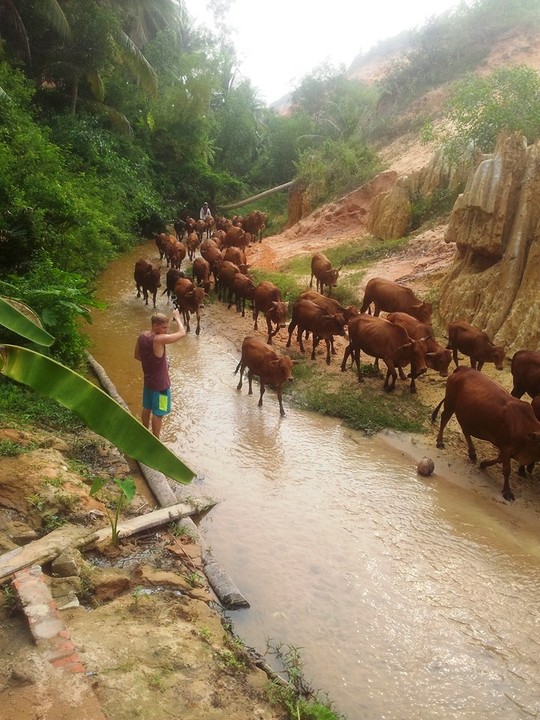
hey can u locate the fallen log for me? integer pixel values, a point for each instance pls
(45, 549)
(153, 519)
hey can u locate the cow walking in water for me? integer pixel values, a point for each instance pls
(485, 410)
(261, 360)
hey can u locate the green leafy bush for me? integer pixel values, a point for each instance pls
(60, 299)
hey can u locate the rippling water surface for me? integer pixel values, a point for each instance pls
(409, 598)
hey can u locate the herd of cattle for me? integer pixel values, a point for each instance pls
(404, 337)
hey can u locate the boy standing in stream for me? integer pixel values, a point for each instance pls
(150, 351)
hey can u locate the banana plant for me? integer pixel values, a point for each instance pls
(100, 413)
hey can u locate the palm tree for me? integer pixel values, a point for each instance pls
(13, 11)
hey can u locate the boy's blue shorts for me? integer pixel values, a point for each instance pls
(158, 401)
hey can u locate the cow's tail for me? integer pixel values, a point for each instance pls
(436, 411)
(238, 367)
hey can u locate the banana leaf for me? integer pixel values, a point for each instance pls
(22, 320)
(99, 411)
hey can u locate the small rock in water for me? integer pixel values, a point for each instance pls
(426, 466)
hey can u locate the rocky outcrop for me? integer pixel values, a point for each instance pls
(391, 212)
(494, 281)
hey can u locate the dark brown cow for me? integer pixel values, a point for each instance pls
(389, 296)
(262, 361)
(325, 274)
(147, 279)
(474, 343)
(526, 373)
(179, 228)
(306, 316)
(189, 299)
(380, 338)
(267, 299)
(201, 273)
(486, 411)
(241, 289)
(438, 358)
(173, 274)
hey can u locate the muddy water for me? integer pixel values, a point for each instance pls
(410, 598)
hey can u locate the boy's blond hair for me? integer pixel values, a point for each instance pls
(159, 319)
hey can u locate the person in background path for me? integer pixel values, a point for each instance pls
(205, 212)
(151, 352)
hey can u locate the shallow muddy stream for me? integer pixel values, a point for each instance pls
(408, 597)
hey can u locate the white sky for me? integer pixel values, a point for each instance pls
(280, 41)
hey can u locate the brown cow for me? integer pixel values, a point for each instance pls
(237, 256)
(526, 373)
(329, 305)
(176, 252)
(211, 251)
(235, 236)
(241, 289)
(380, 338)
(201, 273)
(438, 358)
(475, 343)
(254, 223)
(224, 279)
(306, 316)
(486, 411)
(389, 296)
(200, 229)
(267, 299)
(262, 361)
(192, 241)
(173, 274)
(325, 274)
(189, 299)
(147, 279)
(162, 243)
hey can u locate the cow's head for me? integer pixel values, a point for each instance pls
(417, 358)
(439, 360)
(422, 311)
(499, 353)
(278, 312)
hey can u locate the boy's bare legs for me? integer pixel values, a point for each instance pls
(157, 421)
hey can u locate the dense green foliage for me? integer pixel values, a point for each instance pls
(482, 106)
(60, 299)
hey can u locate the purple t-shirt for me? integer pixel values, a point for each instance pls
(155, 369)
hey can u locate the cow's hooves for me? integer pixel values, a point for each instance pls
(509, 495)
(440, 445)
(197, 332)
